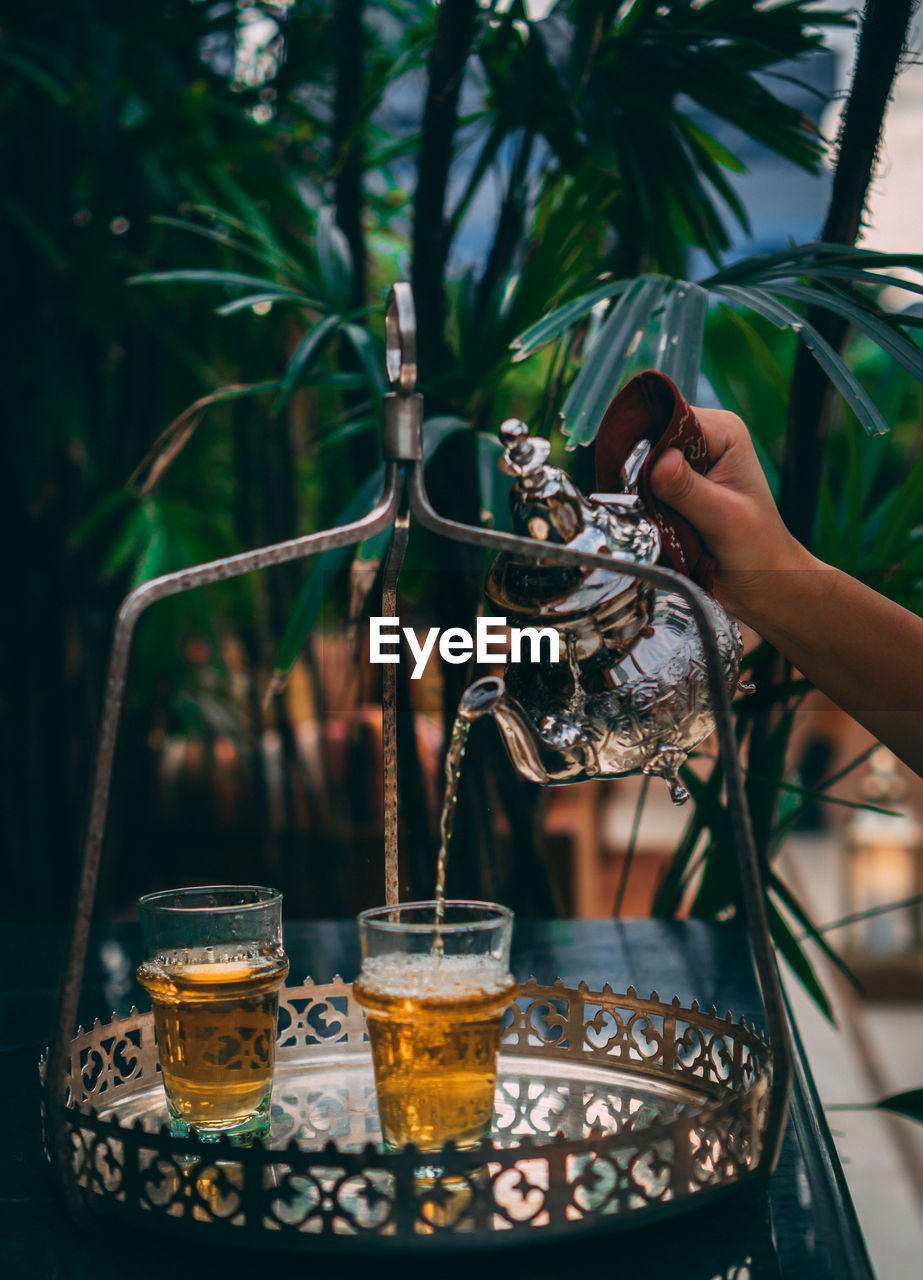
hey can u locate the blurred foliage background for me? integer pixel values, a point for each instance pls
(204, 206)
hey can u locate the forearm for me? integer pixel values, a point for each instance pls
(862, 650)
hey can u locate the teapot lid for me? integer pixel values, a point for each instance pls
(547, 506)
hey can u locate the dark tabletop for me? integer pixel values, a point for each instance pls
(804, 1228)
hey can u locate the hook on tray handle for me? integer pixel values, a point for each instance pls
(401, 339)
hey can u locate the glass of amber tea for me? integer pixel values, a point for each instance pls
(435, 993)
(214, 965)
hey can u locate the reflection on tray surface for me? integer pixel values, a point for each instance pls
(336, 1101)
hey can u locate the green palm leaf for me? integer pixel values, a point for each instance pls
(883, 332)
(907, 1103)
(218, 235)
(815, 257)
(369, 356)
(742, 359)
(858, 274)
(791, 949)
(492, 492)
(554, 324)
(787, 897)
(898, 515)
(603, 368)
(334, 259)
(682, 330)
(230, 280)
(56, 87)
(255, 299)
(785, 317)
(265, 247)
(305, 353)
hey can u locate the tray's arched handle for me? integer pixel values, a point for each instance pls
(401, 339)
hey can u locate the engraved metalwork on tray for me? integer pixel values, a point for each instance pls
(610, 1109)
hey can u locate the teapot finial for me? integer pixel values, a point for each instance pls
(515, 435)
(524, 456)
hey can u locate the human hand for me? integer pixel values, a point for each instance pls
(732, 508)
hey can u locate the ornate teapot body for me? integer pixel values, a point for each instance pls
(628, 693)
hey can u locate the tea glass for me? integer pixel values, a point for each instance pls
(213, 967)
(435, 993)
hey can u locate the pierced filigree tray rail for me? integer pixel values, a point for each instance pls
(610, 1110)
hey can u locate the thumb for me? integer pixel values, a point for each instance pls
(674, 482)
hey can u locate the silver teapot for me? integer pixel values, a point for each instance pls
(628, 693)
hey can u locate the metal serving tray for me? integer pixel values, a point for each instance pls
(610, 1110)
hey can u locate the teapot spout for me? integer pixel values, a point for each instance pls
(481, 698)
(534, 756)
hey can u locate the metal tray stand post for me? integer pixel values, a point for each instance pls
(611, 1109)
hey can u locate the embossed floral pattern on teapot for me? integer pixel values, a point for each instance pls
(629, 692)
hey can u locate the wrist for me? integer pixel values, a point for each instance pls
(768, 597)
